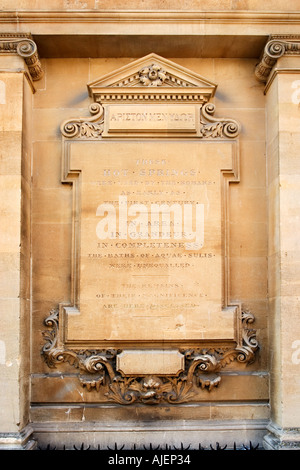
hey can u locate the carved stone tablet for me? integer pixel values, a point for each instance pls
(152, 118)
(150, 241)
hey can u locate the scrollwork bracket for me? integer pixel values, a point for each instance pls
(97, 369)
(85, 127)
(212, 127)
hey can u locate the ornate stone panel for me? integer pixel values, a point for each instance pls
(151, 168)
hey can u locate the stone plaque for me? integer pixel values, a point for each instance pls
(150, 313)
(150, 242)
(151, 118)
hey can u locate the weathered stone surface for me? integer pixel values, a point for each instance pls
(52, 259)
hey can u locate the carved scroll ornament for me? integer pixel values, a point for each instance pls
(92, 127)
(215, 127)
(275, 48)
(85, 127)
(26, 48)
(97, 369)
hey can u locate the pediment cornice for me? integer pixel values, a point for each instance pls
(152, 78)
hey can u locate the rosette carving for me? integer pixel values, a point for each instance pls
(213, 127)
(89, 128)
(97, 369)
(153, 75)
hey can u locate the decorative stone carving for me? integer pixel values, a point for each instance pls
(215, 127)
(275, 48)
(151, 79)
(93, 127)
(26, 48)
(97, 369)
(153, 75)
(85, 127)
(136, 99)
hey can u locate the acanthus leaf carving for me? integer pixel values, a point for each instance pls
(97, 369)
(92, 127)
(212, 127)
(84, 127)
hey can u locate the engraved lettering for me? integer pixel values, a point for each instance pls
(130, 118)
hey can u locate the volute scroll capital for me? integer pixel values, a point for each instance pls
(25, 47)
(276, 47)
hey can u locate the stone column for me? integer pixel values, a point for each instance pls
(16, 88)
(282, 76)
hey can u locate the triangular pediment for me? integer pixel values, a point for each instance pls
(151, 75)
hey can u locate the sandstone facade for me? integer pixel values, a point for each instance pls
(142, 337)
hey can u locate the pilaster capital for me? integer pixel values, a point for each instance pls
(25, 47)
(276, 47)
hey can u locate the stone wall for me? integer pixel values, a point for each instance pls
(222, 44)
